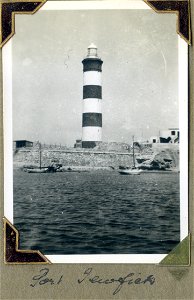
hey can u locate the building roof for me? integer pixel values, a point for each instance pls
(23, 141)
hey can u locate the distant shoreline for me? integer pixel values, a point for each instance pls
(69, 169)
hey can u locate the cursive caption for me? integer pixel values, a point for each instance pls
(89, 276)
(43, 278)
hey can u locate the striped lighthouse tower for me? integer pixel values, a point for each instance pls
(92, 99)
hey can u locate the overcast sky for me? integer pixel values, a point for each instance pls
(140, 76)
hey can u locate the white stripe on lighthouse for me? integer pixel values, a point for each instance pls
(92, 78)
(91, 133)
(92, 105)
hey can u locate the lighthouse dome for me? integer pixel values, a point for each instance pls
(92, 51)
(92, 45)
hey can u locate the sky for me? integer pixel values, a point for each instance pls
(139, 49)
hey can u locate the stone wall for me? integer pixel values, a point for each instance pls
(72, 158)
(95, 158)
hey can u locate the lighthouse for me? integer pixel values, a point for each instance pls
(92, 99)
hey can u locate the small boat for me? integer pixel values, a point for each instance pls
(133, 170)
(49, 169)
(37, 170)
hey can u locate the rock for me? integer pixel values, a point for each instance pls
(159, 161)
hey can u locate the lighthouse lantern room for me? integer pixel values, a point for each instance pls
(92, 99)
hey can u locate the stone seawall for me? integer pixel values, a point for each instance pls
(26, 157)
(153, 158)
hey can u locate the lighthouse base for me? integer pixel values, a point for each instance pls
(89, 144)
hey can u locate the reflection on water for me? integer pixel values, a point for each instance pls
(97, 212)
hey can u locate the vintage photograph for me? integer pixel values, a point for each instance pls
(96, 131)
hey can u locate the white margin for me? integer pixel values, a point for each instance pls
(7, 130)
(81, 5)
(107, 258)
(183, 125)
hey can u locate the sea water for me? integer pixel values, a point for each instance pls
(97, 212)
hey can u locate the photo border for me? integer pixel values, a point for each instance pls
(183, 113)
(171, 282)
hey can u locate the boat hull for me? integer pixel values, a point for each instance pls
(45, 170)
(130, 172)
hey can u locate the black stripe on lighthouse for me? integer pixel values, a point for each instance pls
(92, 91)
(92, 64)
(92, 119)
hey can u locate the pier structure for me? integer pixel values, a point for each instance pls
(92, 99)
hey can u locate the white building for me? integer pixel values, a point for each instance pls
(170, 136)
